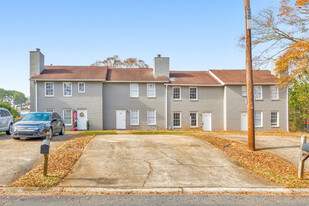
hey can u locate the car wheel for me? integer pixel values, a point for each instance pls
(62, 130)
(9, 132)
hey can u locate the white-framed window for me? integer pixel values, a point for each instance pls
(258, 119)
(81, 87)
(134, 90)
(67, 117)
(67, 89)
(193, 93)
(176, 119)
(151, 90)
(274, 119)
(151, 117)
(258, 92)
(274, 92)
(244, 91)
(134, 117)
(193, 119)
(49, 89)
(49, 110)
(176, 93)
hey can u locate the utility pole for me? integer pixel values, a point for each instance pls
(249, 78)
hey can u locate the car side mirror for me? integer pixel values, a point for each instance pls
(19, 119)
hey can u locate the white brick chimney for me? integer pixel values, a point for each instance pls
(161, 66)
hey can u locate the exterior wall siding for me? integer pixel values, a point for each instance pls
(117, 97)
(236, 104)
(91, 101)
(210, 100)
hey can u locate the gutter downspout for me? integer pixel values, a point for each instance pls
(166, 126)
(36, 96)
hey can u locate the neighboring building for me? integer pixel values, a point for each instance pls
(155, 98)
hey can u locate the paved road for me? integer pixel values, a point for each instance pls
(127, 200)
(146, 161)
(17, 157)
(286, 148)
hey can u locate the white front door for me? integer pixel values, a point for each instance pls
(81, 119)
(120, 119)
(244, 121)
(206, 119)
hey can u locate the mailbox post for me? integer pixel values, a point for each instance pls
(45, 152)
(304, 155)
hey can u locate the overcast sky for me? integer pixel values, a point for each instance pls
(195, 34)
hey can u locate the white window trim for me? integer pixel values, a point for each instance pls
(53, 89)
(49, 109)
(179, 120)
(196, 119)
(277, 93)
(261, 120)
(155, 117)
(278, 124)
(131, 85)
(243, 88)
(137, 117)
(71, 89)
(71, 117)
(261, 93)
(179, 93)
(154, 90)
(196, 94)
(84, 87)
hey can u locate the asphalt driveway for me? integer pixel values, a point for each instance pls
(17, 157)
(148, 161)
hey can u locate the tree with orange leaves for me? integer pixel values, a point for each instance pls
(280, 36)
(114, 62)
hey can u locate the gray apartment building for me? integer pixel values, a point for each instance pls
(158, 98)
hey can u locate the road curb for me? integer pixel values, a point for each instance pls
(90, 190)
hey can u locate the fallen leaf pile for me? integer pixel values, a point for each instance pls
(260, 163)
(60, 162)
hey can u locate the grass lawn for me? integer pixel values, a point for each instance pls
(60, 162)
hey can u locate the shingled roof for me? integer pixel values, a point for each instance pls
(134, 75)
(192, 77)
(239, 76)
(72, 73)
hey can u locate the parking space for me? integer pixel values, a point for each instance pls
(17, 157)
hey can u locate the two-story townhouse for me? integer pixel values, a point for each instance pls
(154, 98)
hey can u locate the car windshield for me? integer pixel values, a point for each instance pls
(37, 117)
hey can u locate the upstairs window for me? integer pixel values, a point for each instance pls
(244, 91)
(134, 117)
(81, 87)
(67, 89)
(134, 90)
(151, 90)
(193, 93)
(258, 92)
(49, 89)
(274, 93)
(151, 117)
(176, 93)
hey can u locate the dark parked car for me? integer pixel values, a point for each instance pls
(38, 125)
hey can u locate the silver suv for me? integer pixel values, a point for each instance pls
(6, 121)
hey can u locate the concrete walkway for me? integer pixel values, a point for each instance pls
(158, 161)
(286, 148)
